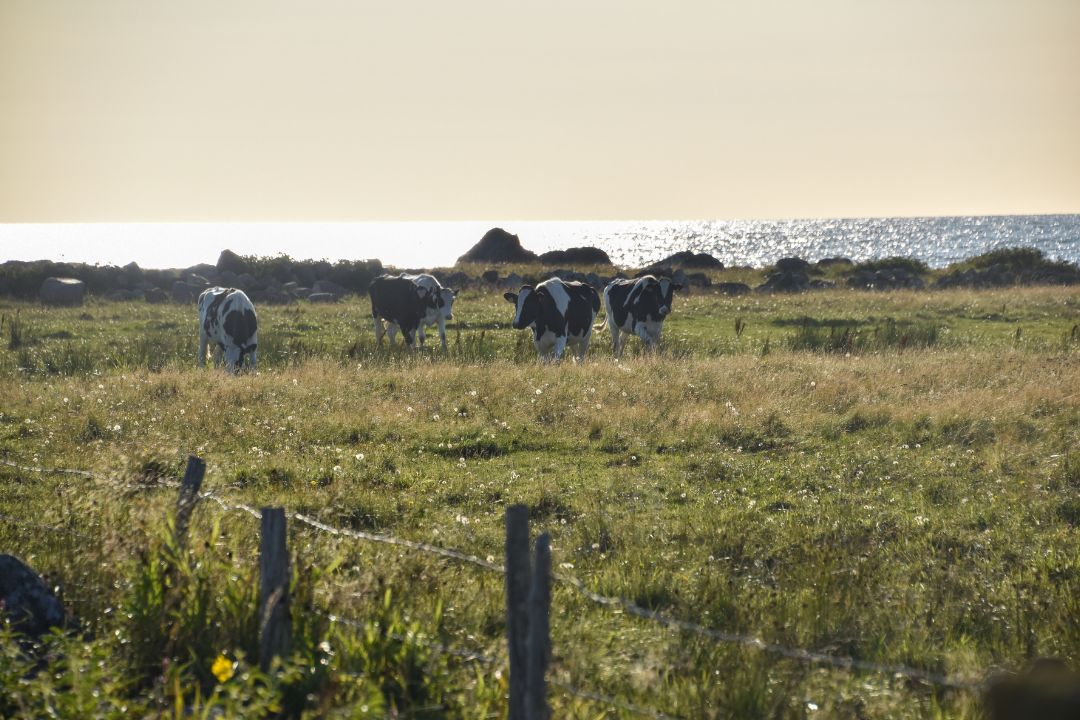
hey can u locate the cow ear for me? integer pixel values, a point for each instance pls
(510, 297)
(454, 292)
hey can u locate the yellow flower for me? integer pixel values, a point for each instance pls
(222, 668)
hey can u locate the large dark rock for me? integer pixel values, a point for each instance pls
(785, 281)
(228, 260)
(732, 288)
(792, 265)
(27, 602)
(329, 287)
(62, 291)
(684, 259)
(576, 256)
(498, 246)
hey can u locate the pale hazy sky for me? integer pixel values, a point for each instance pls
(266, 110)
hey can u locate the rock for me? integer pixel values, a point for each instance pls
(62, 291)
(322, 297)
(228, 260)
(183, 292)
(328, 287)
(732, 288)
(684, 259)
(792, 265)
(227, 278)
(576, 256)
(498, 246)
(456, 280)
(155, 295)
(27, 602)
(831, 261)
(698, 279)
(512, 281)
(788, 281)
(245, 282)
(490, 276)
(125, 295)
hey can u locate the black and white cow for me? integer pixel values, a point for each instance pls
(637, 307)
(558, 312)
(443, 310)
(404, 304)
(227, 319)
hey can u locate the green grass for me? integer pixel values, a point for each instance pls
(814, 481)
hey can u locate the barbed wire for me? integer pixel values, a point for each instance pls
(620, 604)
(47, 471)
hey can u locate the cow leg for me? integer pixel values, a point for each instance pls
(391, 333)
(202, 347)
(617, 341)
(254, 365)
(420, 334)
(442, 332)
(379, 330)
(560, 346)
(409, 336)
(219, 355)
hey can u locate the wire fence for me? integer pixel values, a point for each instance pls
(619, 605)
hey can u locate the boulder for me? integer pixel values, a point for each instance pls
(62, 291)
(155, 295)
(490, 276)
(227, 278)
(184, 292)
(228, 260)
(684, 259)
(732, 288)
(792, 265)
(322, 297)
(328, 287)
(512, 281)
(498, 246)
(576, 256)
(456, 280)
(26, 600)
(785, 281)
(245, 281)
(698, 279)
(832, 261)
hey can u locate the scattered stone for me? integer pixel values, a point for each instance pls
(328, 287)
(498, 246)
(732, 288)
(792, 265)
(322, 297)
(29, 605)
(576, 256)
(512, 281)
(833, 261)
(62, 291)
(490, 276)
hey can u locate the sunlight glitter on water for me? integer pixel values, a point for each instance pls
(936, 241)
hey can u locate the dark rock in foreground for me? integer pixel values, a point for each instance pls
(498, 246)
(26, 601)
(576, 256)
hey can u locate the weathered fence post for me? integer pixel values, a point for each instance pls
(189, 495)
(536, 707)
(275, 625)
(517, 597)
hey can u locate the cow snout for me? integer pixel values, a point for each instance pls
(664, 310)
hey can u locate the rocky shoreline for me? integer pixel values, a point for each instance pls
(499, 261)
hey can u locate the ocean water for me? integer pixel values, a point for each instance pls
(937, 241)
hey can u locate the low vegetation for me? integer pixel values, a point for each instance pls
(889, 477)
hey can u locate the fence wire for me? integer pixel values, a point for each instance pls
(614, 603)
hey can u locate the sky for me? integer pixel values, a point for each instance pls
(390, 110)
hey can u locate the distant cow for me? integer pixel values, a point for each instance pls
(227, 319)
(404, 304)
(637, 307)
(444, 306)
(558, 312)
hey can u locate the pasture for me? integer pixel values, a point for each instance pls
(889, 477)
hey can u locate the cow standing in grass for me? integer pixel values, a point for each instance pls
(404, 305)
(227, 319)
(438, 315)
(637, 307)
(558, 313)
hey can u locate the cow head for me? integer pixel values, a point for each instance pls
(658, 294)
(527, 306)
(445, 302)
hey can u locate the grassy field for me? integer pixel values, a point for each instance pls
(888, 477)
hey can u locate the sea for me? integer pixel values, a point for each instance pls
(937, 241)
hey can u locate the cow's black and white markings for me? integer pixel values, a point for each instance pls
(404, 304)
(441, 313)
(558, 313)
(638, 307)
(227, 319)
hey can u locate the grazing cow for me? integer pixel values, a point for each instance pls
(637, 307)
(558, 312)
(404, 304)
(227, 319)
(443, 310)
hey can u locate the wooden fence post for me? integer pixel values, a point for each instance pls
(275, 625)
(536, 706)
(517, 611)
(189, 495)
